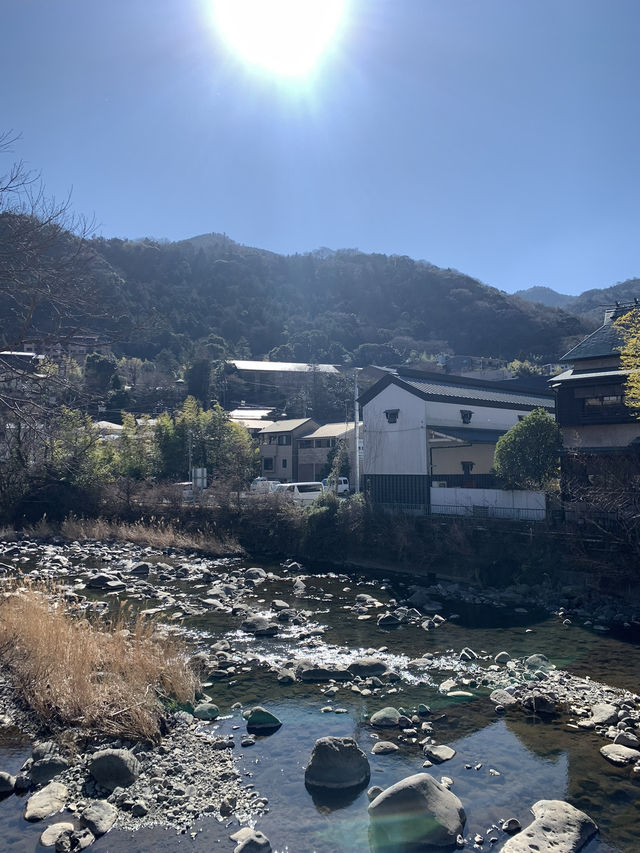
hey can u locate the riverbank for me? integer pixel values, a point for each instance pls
(270, 641)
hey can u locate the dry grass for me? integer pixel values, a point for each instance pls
(102, 678)
(157, 534)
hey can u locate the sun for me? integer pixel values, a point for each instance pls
(284, 37)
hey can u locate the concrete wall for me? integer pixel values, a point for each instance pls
(399, 448)
(492, 503)
(447, 460)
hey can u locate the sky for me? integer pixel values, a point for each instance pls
(496, 137)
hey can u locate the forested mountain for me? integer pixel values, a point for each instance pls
(325, 306)
(545, 296)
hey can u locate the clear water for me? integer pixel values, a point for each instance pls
(535, 759)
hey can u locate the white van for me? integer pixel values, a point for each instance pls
(330, 485)
(303, 494)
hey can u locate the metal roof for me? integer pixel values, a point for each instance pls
(332, 430)
(288, 425)
(252, 414)
(473, 436)
(457, 392)
(572, 375)
(252, 423)
(282, 366)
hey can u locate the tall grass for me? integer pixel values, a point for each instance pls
(108, 678)
(156, 532)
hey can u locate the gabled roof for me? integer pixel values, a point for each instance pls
(604, 342)
(288, 425)
(442, 389)
(332, 430)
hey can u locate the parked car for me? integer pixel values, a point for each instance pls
(303, 494)
(343, 485)
(262, 485)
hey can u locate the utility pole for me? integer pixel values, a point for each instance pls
(356, 428)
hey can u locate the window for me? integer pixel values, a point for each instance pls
(467, 468)
(306, 442)
(466, 415)
(284, 439)
(391, 415)
(284, 463)
(267, 464)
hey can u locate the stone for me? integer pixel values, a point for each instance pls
(539, 703)
(46, 802)
(511, 826)
(438, 754)
(259, 719)
(619, 755)
(99, 817)
(72, 842)
(47, 768)
(627, 739)
(502, 657)
(336, 763)
(114, 768)
(386, 718)
(51, 834)
(256, 842)
(537, 662)
(7, 783)
(324, 673)
(373, 792)
(416, 811)
(206, 711)
(603, 714)
(259, 626)
(388, 620)
(367, 667)
(558, 826)
(384, 747)
(504, 698)
(468, 654)
(141, 569)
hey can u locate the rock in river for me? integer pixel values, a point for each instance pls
(114, 768)
(415, 812)
(261, 720)
(206, 711)
(386, 718)
(336, 763)
(558, 826)
(99, 817)
(46, 802)
(619, 755)
(259, 626)
(367, 667)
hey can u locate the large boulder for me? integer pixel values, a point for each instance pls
(324, 673)
(386, 718)
(619, 755)
(53, 832)
(259, 626)
(206, 711)
(336, 763)
(261, 720)
(416, 812)
(114, 768)
(47, 768)
(558, 826)
(46, 802)
(99, 817)
(603, 714)
(367, 667)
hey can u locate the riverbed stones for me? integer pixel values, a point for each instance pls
(251, 841)
(51, 834)
(619, 755)
(503, 697)
(384, 747)
(502, 657)
(47, 768)
(259, 626)
(114, 768)
(539, 703)
(46, 802)
(99, 817)
(206, 711)
(324, 673)
(558, 826)
(438, 754)
(7, 783)
(261, 720)
(416, 812)
(386, 718)
(367, 667)
(603, 714)
(337, 763)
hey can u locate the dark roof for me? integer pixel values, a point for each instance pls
(605, 341)
(473, 436)
(467, 392)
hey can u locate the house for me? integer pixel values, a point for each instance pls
(422, 429)
(599, 432)
(272, 382)
(252, 419)
(279, 448)
(314, 449)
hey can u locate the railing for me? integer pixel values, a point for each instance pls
(477, 512)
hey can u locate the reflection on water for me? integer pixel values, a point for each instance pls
(501, 767)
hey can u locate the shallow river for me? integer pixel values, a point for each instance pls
(534, 759)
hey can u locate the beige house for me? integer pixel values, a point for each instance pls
(314, 449)
(279, 448)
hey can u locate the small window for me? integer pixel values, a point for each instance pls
(391, 415)
(466, 415)
(267, 464)
(284, 463)
(306, 442)
(284, 439)
(467, 468)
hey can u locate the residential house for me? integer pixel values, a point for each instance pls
(600, 435)
(314, 449)
(423, 429)
(272, 382)
(252, 419)
(279, 448)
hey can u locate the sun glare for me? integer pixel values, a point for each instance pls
(285, 37)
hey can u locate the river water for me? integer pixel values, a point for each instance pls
(503, 764)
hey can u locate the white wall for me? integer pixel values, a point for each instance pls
(496, 503)
(399, 448)
(483, 417)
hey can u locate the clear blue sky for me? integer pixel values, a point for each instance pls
(499, 137)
